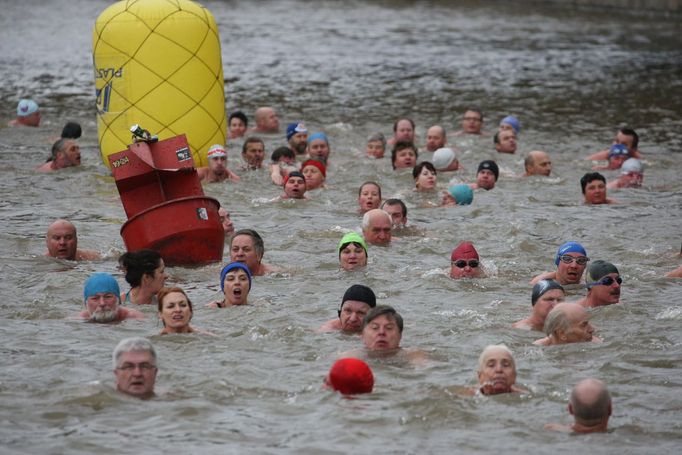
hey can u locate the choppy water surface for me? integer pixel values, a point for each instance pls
(351, 68)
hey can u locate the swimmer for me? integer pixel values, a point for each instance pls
(294, 186)
(62, 243)
(618, 153)
(357, 301)
(464, 262)
(135, 368)
(376, 146)
(397, 210)
(403, 131)
(350, 377)
(282, 161)
(590, 405)
(376, 227)
(225, 220)
(145, 272)
(472, 123)
(318, 148)
(28, 114)
(237, 123)
(603, 285)
(297, 137)
(435, 138)
(567, 323)
(247, 247)
(102, 301)
(352, 251)
(496, 372)
(626, 136)
(235, 282)
(537, 163)
(486, 176)
(315, 173)
(457, 195)
(631, 175)
(71, 130)
(425, 176)
(217, 170)
(545, 295)
(445, 160)
(505, 141)
(266, 121)
(253, 152)
(593, 185)
(510, 123)
(571, 260)
(404, 155)
(382, 331)
(175, 311)
(65, 153)
(369, 196)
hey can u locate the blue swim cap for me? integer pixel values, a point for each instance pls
(569, 247)
(231, 266)
(293, 128)
(513, 121)
(314, 136)
(100, 282)
(26, 108)
(462, 193)
(618, 150)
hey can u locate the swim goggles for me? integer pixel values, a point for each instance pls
(580, 260)
(473, 263)
(608, 281)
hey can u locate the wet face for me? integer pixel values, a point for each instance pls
(351, 315)
(595, 192)
(318, 148)
(352, 256)
(243, 250)
(465, 268)
(580, 330)
(426, 180)
(485, 179)
(268, 119)
(237, 128)
(616, 161)
(381, 334)
(379, 230)
(571, 272)
(295, 187)
(225, 220)
(69, 155)
(175, 311)
(62, 241)
(542, 165)
(507, 141)
(299, 142)
(254, 154)
(375, 149)
(396, 212)
(136, 374)
(633, 179)
(404, 131)
(498, 373)
(218, 165)
(547, 302)
(472, 122)
(313, 177)
(102, 307)
(606, 294)
(236, 287)
(405, 158)
(158, 280)
(369, 197)
(435, 138)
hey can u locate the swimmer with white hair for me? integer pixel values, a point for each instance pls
(496, 372)
(567, 323)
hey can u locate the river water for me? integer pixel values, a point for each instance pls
(350, 69)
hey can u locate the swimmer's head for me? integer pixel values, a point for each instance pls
(443, 157)
(541, 287)
(293, 128)
(216, 151)
(352, 237)
(599, 269)
(100, 283)
(360, 293)
(234, 266)
(618, 150)
(464, 250)
(569, 247)
(491, 166)
(632, 165)
(462, 193)
(26, 108)
(513, 122)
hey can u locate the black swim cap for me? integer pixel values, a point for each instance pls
(543, 286)
(72, 130)
(491, 166)
(360, 293)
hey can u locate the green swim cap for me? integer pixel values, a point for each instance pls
(352, 237)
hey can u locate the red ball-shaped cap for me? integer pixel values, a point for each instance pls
(351, 376)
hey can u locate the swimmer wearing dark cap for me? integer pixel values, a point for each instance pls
(545, 295)
(355, 304)
(603, 283)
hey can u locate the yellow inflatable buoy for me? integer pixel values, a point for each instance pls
(158, 64)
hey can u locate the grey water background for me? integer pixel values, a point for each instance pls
(350, 69)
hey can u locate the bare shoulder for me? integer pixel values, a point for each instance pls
(88, 255)
(329, 326)
(543, 276)
(129, 313)
(558, 427)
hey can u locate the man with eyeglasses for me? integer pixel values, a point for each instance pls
(571, 260)
(135, 367)
(464, 262)
(472, 123)
(603, 285)
(102, 298)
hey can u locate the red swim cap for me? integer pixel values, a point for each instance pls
(464, 250)
(351, 376)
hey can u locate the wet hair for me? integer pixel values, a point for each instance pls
(135, 344)
(590, 413)
(139, 263)
(72, 130)
(490, 347)
(395, 202)
(557, 319)
(381, 310)
(58, 147)
(395, 125)
(496, 138)
(258, 244)
(420, 167)
(167, 290)
(251, 140)
(529, 161)
(369, 182)
(402, 145)
(282, 152)
(589, 177)
(631, 132)
(240, 115)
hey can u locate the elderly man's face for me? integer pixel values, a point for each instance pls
(351, 315)
(498, 373)
(379, 230)
(254, 154)
(580, 329)
(62, 241)
(136, 374)
(382, 334)
(102, 307)
(542, 164)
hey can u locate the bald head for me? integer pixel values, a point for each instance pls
(61, 239)
(568, 323)
(590, 403)
(538, 163)
(266, 120)
(435, 138)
